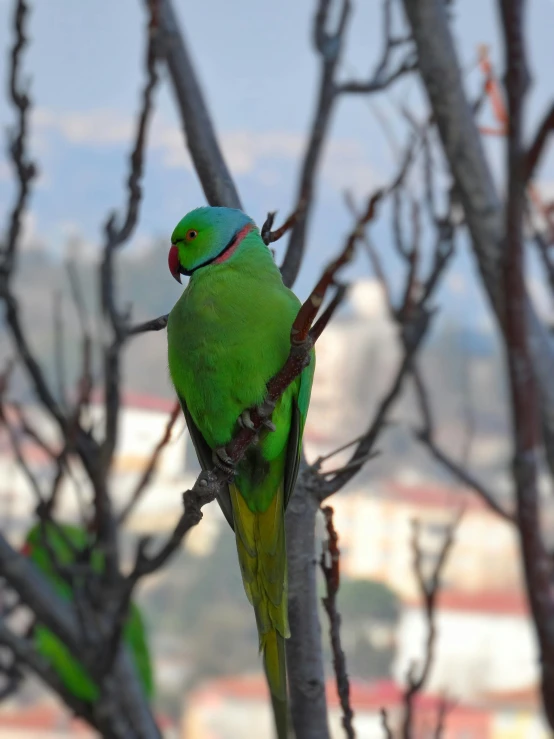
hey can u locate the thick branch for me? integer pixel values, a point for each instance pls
(206, 155)
(536, 149)
(24, 652)
(305, 670)
(58, 616)
(524, 397)
(441, 76)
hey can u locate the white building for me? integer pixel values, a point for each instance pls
(374, 524)
(355, 357)
(142, 424)
(485, 644)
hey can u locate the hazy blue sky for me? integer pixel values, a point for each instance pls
(259, 72)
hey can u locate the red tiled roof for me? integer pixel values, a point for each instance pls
(513, 699)
(502, 602)
(140, 401)
(365, 696)
(48, 716)
(41, 717)
(434, 496)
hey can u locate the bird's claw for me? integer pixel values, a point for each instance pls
(222, 460)
(245, 421)
(268, 423)
(266, 408)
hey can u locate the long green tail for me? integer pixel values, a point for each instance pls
(276, 672)
(262, 556)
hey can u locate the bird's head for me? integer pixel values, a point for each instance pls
(206, 236)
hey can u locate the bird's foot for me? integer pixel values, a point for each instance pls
(265, 409)
(245, 420)
(222, 460)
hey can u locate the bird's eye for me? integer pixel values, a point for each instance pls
(192, 234)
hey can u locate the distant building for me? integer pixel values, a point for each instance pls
(48, 719)
(375, 528)
(485, 644)
(226, 708)
(142, 424)
(516, 714)
(355, 355)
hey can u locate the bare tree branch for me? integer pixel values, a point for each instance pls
(524, 396)
(539, 143)
(59, 345)
(26, 654)
(459, 471)
(305, 668)
(429, 588)
(24, 166)
(440, 73)
(269, 236)
(330, 566)
(206, 155)
(133, 716)
(329, 45)
(155, 324)
(151, 466)
(385, 724)
(116, 236)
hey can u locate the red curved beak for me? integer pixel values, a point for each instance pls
(173, 262)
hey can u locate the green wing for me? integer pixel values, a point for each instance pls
(135, 638)
(66, 543)
(204, 454)
(299, 413)
(72, 674)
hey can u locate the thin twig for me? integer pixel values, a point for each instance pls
(429, 588)
(328, 45)
(460, 471)
(59, 346)
(154, 324)
(385, 724)
(24, 166)
(116, 236)
(152, 464)
(269, 236)
(330, 566)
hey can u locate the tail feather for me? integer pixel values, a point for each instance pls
(260, 538)
(276, 673)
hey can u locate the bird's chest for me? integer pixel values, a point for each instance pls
(220, 358)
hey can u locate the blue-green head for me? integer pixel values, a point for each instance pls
(206, 236)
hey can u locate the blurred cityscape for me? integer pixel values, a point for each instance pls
(209, 683)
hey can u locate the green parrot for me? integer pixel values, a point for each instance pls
(228, 334)
(65, 542)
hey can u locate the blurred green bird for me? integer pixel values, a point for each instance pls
(65, 542)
